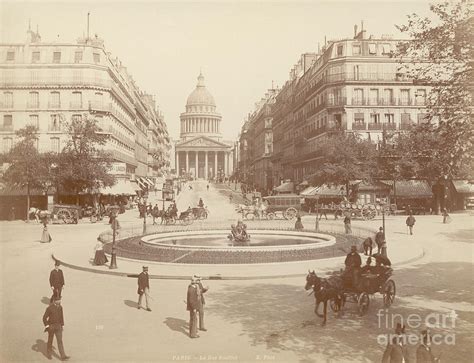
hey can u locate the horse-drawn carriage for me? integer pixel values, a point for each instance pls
(200, 212)
(337, 291)
(66, 213)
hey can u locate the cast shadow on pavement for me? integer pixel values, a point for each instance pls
(178, 325)
(130, 303)
(46, 300)
(42, 347)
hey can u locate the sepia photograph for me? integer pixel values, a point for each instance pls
(239, 181)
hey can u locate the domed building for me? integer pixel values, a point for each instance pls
(200, 151)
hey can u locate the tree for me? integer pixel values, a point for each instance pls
(344, 157)
(83, 165)
(27, 168)
(439, 54)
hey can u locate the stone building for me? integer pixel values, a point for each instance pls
(201, 152)
(46, 84)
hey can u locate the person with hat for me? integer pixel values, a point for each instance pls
(424, 353)
(53, 320)
(143, 288)
(203, 290)
(410, 222)
(379, 239)
(56, 281)
(193, 305)
(396, 351)
(353, 263)
(347, 224)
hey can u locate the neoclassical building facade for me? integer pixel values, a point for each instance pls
(200, 151)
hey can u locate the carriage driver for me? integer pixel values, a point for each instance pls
(353, 263)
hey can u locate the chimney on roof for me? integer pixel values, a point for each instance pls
(355, 30)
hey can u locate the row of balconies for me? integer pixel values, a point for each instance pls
(387, 102)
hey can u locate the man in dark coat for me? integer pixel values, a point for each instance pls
(193, 305)
(347, 224)
(379, 239)
(367, 244)
(203, 290)
(143, 288)
(410, 222)
(424, 353)
(353, 263)
(53, 320)
(56, 281)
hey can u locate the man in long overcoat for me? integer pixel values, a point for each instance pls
(203, 290)
(143, 288)
(53, 320)
(193, 305)
(56, 281)
(379, 239)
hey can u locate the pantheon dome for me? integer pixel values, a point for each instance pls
(200, 151)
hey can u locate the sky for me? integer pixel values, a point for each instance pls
(242, 47)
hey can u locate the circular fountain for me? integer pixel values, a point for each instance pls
(213, 247)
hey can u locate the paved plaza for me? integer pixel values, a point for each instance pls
(248, 319)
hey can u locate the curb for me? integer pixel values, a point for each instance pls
(216, 277)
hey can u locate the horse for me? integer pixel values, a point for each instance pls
(324, 292)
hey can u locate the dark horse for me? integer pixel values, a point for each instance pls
(324, 292)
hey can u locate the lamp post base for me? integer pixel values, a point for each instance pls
(113, 261)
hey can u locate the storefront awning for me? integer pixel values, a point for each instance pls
(326, 191)
(309, 191)
(411, 189)
(463, 186)
(121, 187)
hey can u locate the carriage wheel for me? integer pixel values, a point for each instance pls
(186, 220)
(63, 215)
(290, 213)
(250, 216)
(363, 303)
(171, 220)
(271, 215)
(389, 293)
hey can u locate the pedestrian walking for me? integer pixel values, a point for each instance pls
(396, 351)
(143, 288)
(424, 353)
(45, 236)
(368, 244)
(446, 217)
(298, 224)
(53, 320)
(99, 255)
(56, 281)
(207, 187)
(203, 290)
(379, 239)
(347, 224)
(410, 222)
(193, 305)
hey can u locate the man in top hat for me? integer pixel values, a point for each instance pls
(353, 263)
(424, 353)
(143, 288)
(202, 290)
(56, 281)
(396, 351)
(193, 305)
(53, 320)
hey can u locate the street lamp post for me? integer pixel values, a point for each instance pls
(317, 216)
(113, 261)
(144, 216)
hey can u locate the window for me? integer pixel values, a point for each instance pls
(420, 96)
(34, 120)
(356, 73)
(388, 96)
(7, 120)
(76, 100)
(56, 57)
(340, 49)
(33, 102)
(55, 144)
(359, 118)
(389, 118)
(76, 117)
(375, 118)
(422, 118)
(358, 96)
(10, 56)
(55, 124)
(55, 100)
(7, 144)
(7, 99)
(372, 48)
(405, 118)
(356, 50)
(386, 48)
(96, 57)
(77, 57)
(35, 57)
(405, 97)
(374, 96)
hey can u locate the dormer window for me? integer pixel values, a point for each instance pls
(372, 48)
(340, 49)
(11, 56)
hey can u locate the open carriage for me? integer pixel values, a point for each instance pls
(378, 280)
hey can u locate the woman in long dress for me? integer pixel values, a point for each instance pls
(46, 237)
(100, 258)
